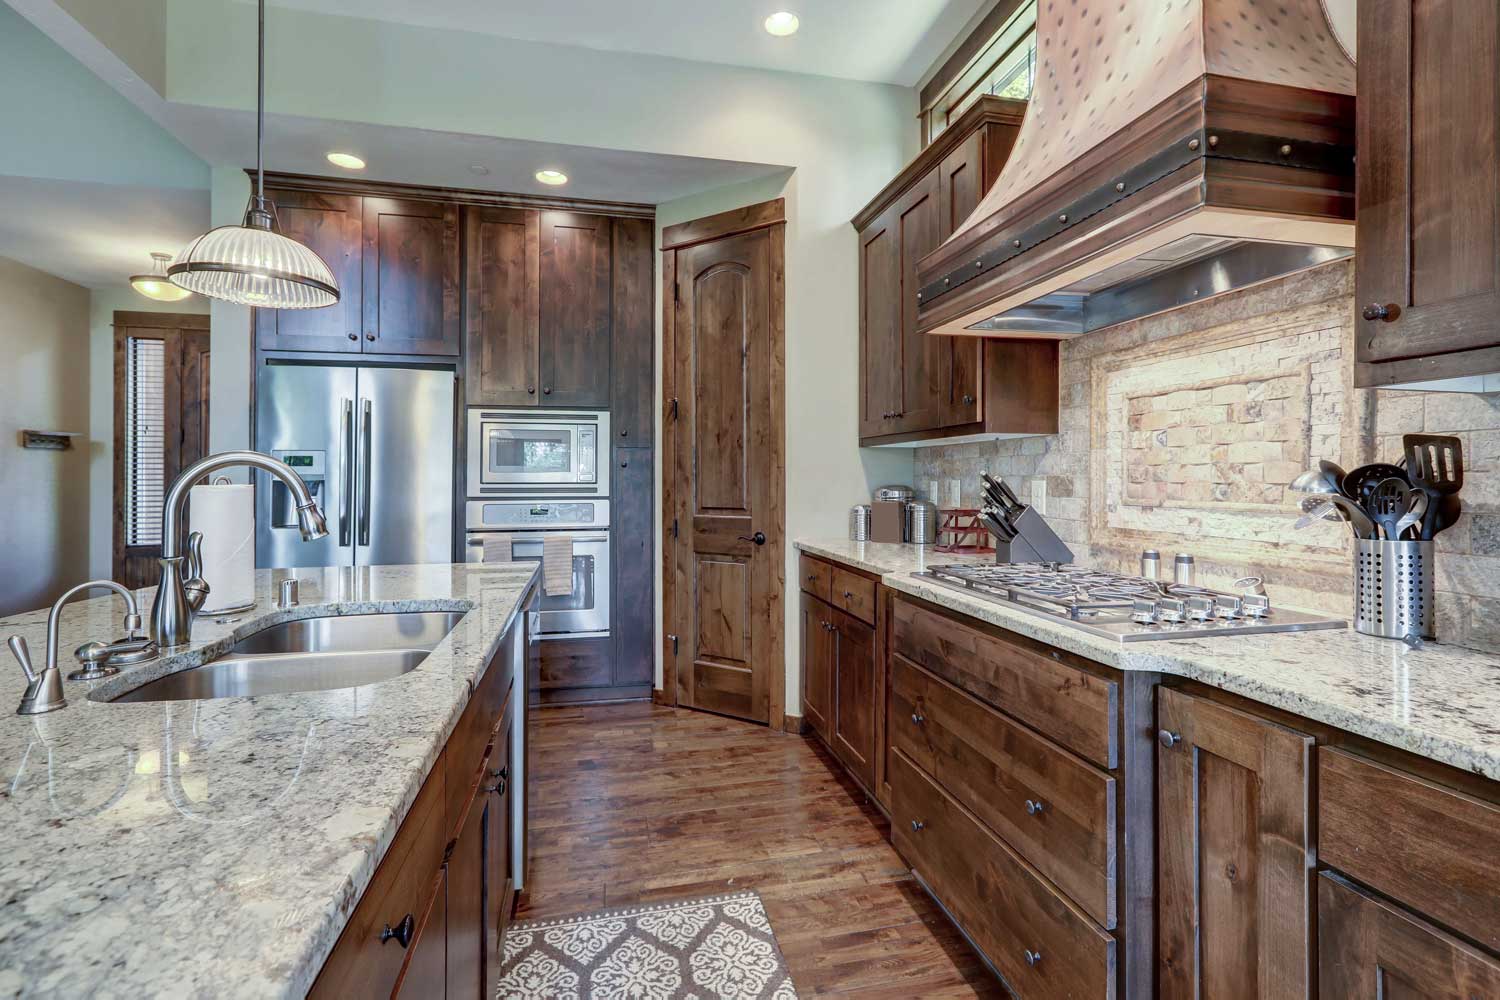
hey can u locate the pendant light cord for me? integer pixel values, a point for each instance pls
(260, 105)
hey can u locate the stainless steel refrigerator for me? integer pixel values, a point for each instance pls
(375, 446)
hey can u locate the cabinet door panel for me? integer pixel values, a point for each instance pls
(817, 656)
(575, 309)
(329, 225)
(632, 333)
(466, 905)
(501, 262)
(633, 622)
(879, 325)
(424, 976)
(854, 695)
(1427, 178)
(926, 362)
(1234, 853)
(499, 885)
(411, 262)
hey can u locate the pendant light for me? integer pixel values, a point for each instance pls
(252, 264)
(156, 285)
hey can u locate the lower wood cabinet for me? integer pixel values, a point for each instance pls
(839, 674)
(817, 663)
(424, 975)
(1234, 853)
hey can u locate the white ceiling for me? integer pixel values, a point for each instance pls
(95, 235)
(889, 41)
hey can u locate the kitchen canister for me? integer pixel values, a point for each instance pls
(921, 522)
(225, 513)
(1393, 588)
(859, 522)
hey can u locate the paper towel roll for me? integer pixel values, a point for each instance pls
(226, 516)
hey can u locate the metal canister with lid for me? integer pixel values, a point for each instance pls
(921, 522)
(859, 522)
(894, 492)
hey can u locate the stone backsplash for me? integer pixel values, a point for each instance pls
(1180, 432)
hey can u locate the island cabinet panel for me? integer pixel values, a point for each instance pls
(817, 663)
(1038, 940)
(1234, 853)
(501, 305)
(425, 974)
(1052, 691)
(467, 939)
(1435, 849)
(330, 225)
(1054, 808)
(1427, 275)
(575, 309)
(500, 890)
(411, 276)
(1370, 949)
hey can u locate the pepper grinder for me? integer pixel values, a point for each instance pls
(1183, 570)
(1151, 564)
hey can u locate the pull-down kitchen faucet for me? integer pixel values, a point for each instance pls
(181, 594)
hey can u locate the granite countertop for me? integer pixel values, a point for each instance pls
(216, 848)
(1439, 701)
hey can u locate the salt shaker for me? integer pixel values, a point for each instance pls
(1151, 564)
(1183, 570)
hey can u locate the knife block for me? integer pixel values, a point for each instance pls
(1035, 541)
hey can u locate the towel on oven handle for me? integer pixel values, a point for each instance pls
(497, 548)
(557, 565)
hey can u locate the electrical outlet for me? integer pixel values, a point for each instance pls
(1039, 496)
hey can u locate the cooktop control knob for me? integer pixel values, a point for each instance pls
(1171, 611)
(1257, 606)
(1143, 611)
(1200, 609)
(1229, 608)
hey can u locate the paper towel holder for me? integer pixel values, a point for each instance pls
(218, 613)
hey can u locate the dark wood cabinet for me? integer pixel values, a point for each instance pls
(918, 387)
(1427, 275)
(499, 884)
(501, 303)
(467, 885)
(853, 700)
(424, 975)
(331, 225)
(1369, 948)
(632, 333)
(575, 309)
(411, 267)
(817, 663)
(633, 562)
(1234, 853)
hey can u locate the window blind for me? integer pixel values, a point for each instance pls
(145, 451)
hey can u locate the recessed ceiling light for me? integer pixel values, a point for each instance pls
(552, 177)
(478, 169)
(346, 160)
(782, 23)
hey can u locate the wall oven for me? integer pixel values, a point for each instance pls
(537, 453)
(516, 529)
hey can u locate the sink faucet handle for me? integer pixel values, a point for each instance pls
(192, 567)
(23, 656)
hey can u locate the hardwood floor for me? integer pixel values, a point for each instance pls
(638, 803)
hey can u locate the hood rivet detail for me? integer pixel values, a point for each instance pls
(979, 263)
(1286, 150)
(1193, 144)
(1063, 217)
(1016, 244)
(1213, 141)
(1119, 185)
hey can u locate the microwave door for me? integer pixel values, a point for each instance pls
(304, 417)
(532, 454)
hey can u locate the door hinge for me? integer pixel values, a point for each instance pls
(674, 643)
(676, 293)
(674, 527)
(674, 407)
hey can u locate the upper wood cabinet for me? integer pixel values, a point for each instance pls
(330, 225)
(633, 332)
(1427, 274)
(501, 262)
(411, 276)
(1234, 853)
(917, 387)
(575, 309)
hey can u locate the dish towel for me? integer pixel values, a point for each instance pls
(557, 565)
(497, 549)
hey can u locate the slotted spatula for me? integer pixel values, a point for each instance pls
(1435, 465)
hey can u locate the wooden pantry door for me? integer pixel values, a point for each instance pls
(724, 460)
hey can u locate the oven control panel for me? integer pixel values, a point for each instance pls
(537, 515)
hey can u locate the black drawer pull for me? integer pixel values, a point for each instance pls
(1034, 807)
(917, 826)
(501, 777)
(918, 718)
(1032, 957)
(402, 932)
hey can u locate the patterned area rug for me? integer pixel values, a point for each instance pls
(720, 948)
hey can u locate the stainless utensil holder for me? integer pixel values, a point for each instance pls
(1393, 589)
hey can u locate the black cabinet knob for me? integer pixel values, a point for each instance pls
(624, 463)
(625, 433)
(918, 718)
(531, 390)
(1032, 957)
(353, 335)
(1376, 310)
(402, 932)
(370, 337)
(968, 400)
(546, 390)
(501, 776)
(917, 826)
(1034, 807)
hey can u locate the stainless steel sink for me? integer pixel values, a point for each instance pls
(314, 654)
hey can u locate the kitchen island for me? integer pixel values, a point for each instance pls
(219, 847)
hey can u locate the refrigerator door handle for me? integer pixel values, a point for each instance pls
(364, 462)
(346, 470)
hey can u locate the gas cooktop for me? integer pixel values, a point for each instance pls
(1127, 608)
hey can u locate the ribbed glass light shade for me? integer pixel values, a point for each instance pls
(251, 266)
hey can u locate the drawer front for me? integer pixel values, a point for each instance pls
(1073, 706)
(1057, 811)
(854, 594)
(1042, 944)
(816, 576)
(1432, 848)
(1368, 947)
(361, 964)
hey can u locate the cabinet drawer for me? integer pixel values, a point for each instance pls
(1068, 703)
(1432, 848)
(817, 577)
(1042, 943)
(855, 594)
(1056, 810)
(1368, 947)
(361, 964)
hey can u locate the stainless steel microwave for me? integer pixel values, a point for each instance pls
(537, 453)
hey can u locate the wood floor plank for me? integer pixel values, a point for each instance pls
(638, 803)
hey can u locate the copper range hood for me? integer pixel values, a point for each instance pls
(1172, 150)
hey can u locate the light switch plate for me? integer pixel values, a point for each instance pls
(1039, 496)
(955, 493)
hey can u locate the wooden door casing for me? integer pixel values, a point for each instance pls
(1235, 853)
(502, 303)
(726, 474)
(575, 309)
(185, 385)
(331, 225)
(411, 276)
(1428, 184)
